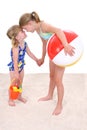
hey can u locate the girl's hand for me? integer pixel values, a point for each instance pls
(40, 62)
(16, 82)
(68, 49)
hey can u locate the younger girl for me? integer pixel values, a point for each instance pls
(18, 50)
(31, 22)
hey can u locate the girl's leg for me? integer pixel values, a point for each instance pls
(11, 101)
(51, 84)
(21, 75)
(59, 71)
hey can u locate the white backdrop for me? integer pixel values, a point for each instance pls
(66, 14)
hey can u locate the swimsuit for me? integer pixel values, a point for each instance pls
(21, 62)
(45, 36)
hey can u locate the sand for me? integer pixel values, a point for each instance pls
(36, 115)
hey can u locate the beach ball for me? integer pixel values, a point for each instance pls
(56, 53)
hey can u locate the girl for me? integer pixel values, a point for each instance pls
(16, 66)
(31, 22)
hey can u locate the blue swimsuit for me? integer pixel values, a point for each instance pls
(21, 62)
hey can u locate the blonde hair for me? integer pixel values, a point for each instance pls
(12, 33)
(25, 18)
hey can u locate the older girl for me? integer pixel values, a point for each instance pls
(31, 22)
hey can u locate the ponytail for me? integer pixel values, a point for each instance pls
(27, 17)
(35, 17)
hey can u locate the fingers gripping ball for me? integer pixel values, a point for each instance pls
(56, 53)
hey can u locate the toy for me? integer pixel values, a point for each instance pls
(56, 53)
(15, 89)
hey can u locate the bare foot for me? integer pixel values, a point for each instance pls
(22, 99)
(57, 110)
(46, 98)
(11, 103)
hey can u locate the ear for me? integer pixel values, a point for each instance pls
(16, 37)
(31, 22)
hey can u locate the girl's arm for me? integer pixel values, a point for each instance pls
(41, 61)
(31, 54)
(49, 28)
(15, 60)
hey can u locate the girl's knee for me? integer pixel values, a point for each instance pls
(52, 76)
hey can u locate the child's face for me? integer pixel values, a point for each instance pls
(30, 27)
(21, 36)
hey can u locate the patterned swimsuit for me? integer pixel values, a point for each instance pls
(21, 62)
